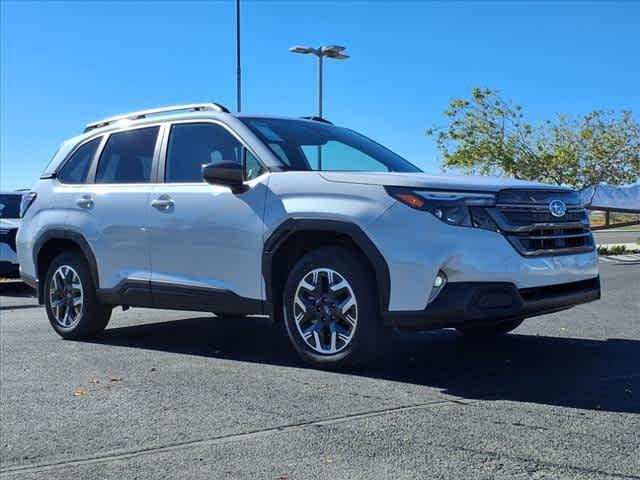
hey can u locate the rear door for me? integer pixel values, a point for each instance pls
(206, 241)
(111, 211)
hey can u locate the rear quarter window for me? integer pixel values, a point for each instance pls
(75, 170)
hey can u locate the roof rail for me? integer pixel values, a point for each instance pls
(194, 107)
(317, 119)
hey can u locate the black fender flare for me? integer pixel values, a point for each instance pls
(75, 237)
(353, 231)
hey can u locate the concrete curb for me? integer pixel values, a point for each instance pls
(626, 259)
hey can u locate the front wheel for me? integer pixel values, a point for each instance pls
(70, 298)
(488, 331)
(331, 309)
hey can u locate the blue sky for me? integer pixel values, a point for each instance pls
(65, 64)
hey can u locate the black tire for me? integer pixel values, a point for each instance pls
(93, 316)
(368, 337)
(489, 331)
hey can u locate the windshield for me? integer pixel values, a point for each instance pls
(311, 145)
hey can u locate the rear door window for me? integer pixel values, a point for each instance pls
(76, 168)
(128, 156)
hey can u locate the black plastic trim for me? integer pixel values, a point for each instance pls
(143, 293)
(8, 236)
(294, 225)
(75, 237)
(8, 269)
(135, 293)
(492, 302)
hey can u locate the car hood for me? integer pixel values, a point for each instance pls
(439, 182)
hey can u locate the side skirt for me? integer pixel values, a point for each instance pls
(142, 293)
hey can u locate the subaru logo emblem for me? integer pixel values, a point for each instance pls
(557, 208)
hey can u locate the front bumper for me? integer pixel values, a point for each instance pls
(464, 303)
(416, 246)
(8, 259)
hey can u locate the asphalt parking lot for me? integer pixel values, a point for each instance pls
(165, 394)
(616, 236)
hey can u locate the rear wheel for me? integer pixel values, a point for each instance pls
(70, 298)
(488, 331)
(331, 310)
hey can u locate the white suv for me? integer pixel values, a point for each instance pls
(192, 207)
(9, 224)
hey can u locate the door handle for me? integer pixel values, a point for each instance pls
(163, 203)
(85, 201)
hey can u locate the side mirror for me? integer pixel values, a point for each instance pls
(226, 173)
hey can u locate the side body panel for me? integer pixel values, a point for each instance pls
(211, 238)
(115, 226)
(48, 212)
(307, 195)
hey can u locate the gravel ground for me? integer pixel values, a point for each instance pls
(165, 394)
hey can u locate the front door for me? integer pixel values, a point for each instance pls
(206, 241)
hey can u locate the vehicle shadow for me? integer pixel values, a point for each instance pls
(14, 289)
(569, 372)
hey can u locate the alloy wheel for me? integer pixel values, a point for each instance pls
(325, 311)
(66, 296)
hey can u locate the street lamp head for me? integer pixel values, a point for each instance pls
(332, 49)
(329, 51)
(337, 56)
(303, 50)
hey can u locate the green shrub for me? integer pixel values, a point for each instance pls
(615, 250)
(618, 249)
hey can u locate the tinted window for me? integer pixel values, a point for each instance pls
(252, 168)
(192, 145)
(77, 167)
(307, 145)
(127, 157)
(10, 205)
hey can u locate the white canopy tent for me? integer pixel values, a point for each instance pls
(606, 197)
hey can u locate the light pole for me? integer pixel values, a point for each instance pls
(238, 77)
(331, 51)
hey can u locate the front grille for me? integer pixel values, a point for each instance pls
(526, 216)
(526, 221)
(8, 236)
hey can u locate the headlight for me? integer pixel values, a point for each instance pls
(463, 209)
(26, 201)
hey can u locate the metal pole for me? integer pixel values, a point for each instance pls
(238, 82)
(320, 84)
(320, 103)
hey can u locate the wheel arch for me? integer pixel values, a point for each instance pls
(297, 236)
(50, 244)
